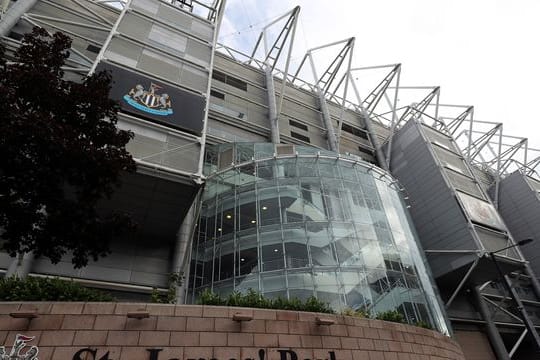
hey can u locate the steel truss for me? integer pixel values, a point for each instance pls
(484, 149)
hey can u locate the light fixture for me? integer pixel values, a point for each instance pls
(253, 221)
(242, 259)
(276, 250)
(264, 208)
(30, 314)
(219, 229)
(324, 321)
(139, 314)
(228, 216)
(242, 317)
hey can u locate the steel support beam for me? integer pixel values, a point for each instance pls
(517, 301)
(495, 339)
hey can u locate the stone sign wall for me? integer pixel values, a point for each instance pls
(121, 331)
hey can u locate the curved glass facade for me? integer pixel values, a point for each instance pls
(295, 221)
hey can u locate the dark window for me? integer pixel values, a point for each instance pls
(299, 136)
(15, 35)
(217, 94)
(230, 80)
(365, 151)
(93, 48)
(218, 75)
(237, 83)
(355, 131)
(298, 125)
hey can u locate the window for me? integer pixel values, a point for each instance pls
(299, 136)
(229, 80)
(217, 94)
(93, 48)
(218, 75)
(298, 125)
(355, 131)
(365, 151)
(15, 35)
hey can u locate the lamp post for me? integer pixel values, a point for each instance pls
(508, 285)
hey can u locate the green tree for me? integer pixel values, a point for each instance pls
(60, 153)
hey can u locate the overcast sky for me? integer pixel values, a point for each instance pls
(483, 52)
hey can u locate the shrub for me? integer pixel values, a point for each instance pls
(47, 289)
(423, 324)
(391, 315)
(207, 297)
(360, 313)
(169, 297)
(256, 300)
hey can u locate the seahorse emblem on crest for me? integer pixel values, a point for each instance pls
(18, 345)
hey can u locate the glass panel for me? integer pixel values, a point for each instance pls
(273, 282)
(226, 269)
(247, 258)
(296, 253)
(247, 212)
(356, 289)
(302, 280)
(244, 283)
(272, 251)
(326, 284)
(322, 251)
(347, 245)
(269, 208)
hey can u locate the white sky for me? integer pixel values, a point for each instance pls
(481, 52)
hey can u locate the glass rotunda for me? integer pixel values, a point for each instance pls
(295, 221)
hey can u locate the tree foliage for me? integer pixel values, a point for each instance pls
(60, 153)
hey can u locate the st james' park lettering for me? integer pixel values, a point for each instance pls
(153, 354)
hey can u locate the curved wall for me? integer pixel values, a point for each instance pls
(295, 221)
(94, 331)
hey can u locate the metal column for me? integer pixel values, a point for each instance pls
(494, 337)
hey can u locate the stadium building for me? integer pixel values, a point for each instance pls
(297, 181)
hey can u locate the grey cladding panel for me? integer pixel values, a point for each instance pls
(519, 206)
(233, 133)
(464, 183)
(248, 73)
(440, 222)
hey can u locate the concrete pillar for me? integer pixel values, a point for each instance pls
(327, 119)
(182, 251)
(381, 159)
(21, 265)
(272, 107)
(14, 13)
